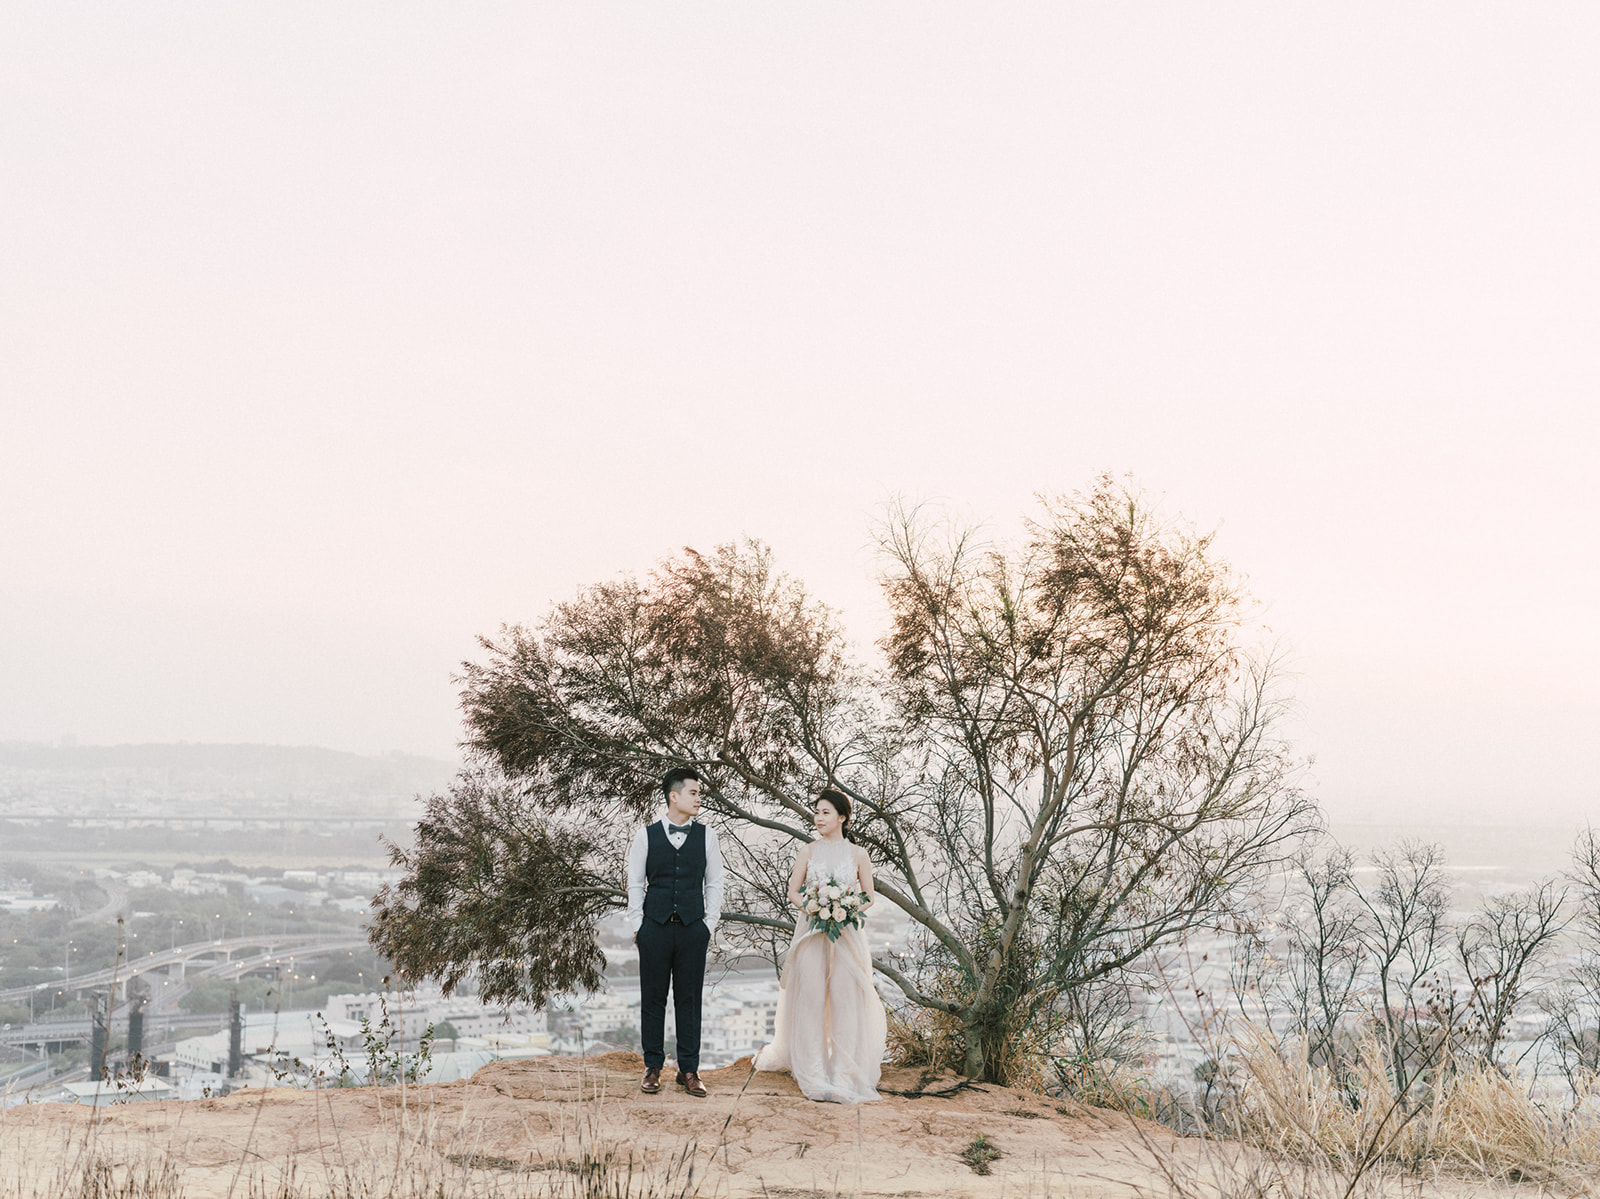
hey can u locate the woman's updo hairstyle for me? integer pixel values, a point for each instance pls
(841, 805)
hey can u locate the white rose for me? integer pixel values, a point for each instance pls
(812, 906)
(831, 892)
(838, 913)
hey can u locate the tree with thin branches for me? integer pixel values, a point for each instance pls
(1066, 756)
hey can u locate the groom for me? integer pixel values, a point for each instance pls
(674, 902)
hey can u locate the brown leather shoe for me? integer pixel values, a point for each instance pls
(652, 1081)
(691, 1083)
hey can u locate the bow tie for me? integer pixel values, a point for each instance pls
(679, 828)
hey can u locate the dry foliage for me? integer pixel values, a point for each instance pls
(1474, 1120)
(936, 1042)
(925, 1040)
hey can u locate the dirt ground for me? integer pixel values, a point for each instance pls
(581, 1126)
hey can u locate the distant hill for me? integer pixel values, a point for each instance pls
(183, 774)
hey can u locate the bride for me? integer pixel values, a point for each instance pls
(830, 1027)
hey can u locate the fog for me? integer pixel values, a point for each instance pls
(334, 337)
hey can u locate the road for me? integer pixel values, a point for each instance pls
(107, 913)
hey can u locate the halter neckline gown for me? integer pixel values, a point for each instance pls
(830, 1028)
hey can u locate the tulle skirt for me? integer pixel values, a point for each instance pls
(830, 1028)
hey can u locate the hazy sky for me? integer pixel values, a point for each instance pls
(333, 335)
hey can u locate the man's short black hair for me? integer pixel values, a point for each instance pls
(677, 778)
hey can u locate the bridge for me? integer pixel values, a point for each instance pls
(185, 964)
(43, 1034)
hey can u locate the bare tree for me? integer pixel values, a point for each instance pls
(1573, 1005)
(1389, 955)
(1320, 979)
(1501, 948)
(1405, 935)
(1066, 758)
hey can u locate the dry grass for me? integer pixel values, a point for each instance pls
(1230, 1170)
(924, 1039)
(1296, 1135)
(1109, 1084)
(1476, 1122)
(936, 1042)
(413, 1156)
(612, 1175)
(96, 1176)
(1486, 1122)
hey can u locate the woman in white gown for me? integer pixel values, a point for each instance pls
(830, 1028)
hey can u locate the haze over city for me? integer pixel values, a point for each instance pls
(337, 336)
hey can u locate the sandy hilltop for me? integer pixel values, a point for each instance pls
(558, 1126)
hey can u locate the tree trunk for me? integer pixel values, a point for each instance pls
(986, 1031)
(973, 1066)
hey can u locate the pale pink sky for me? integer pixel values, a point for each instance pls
(331, 335)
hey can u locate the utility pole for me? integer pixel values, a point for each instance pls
(97, 1038)
(138, 997)
(235, 1033)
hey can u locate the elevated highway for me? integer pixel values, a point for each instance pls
(232, 958)
(159, 1030)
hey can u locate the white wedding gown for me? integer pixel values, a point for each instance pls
(830, 1028)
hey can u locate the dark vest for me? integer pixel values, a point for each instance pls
(675, 878)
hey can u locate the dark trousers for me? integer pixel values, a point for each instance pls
(671, 954)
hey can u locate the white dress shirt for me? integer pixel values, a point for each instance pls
(639, 852)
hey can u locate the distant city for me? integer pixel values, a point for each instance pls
(257, 972)
(185, 920)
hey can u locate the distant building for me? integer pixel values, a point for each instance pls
(414, 1011)
(366, 880)
(104, 1094)
(274, 895)
(16, 903)
(739, 1019)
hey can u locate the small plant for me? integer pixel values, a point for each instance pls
(979, 1154)
(290, 1070)
(130, 1081)
(1101, 1083)
(385, 1066)
(336, 1052)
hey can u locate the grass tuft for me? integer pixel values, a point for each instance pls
(980, 1154)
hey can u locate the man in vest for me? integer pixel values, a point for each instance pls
(674, 902)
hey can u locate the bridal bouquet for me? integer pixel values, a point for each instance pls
(833, 906)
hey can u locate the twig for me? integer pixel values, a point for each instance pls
(722, 1137)
(966, 1084)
